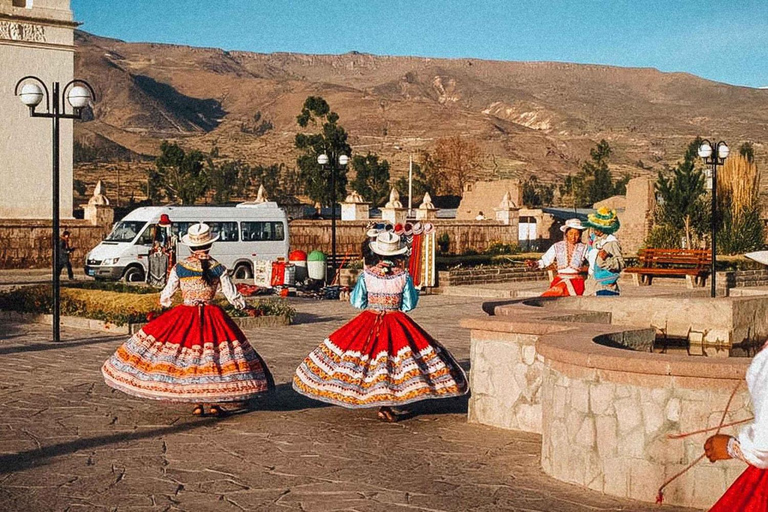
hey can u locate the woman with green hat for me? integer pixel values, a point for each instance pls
(604, 256)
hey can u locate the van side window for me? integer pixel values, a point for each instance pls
(180, 229)
(227, 231)
(262, 231)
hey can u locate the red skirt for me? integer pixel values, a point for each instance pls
(379, 359)
(749, 493)
(565, 287)
(189, 354)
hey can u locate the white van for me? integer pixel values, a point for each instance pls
(247, 232)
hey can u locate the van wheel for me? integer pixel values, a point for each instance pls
(243, 271)
(134, 275)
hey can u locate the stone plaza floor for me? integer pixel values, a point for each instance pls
(69, 442)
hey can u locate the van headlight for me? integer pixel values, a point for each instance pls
(111, 261)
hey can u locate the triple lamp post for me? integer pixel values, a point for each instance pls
(713, 156)
(342, 160)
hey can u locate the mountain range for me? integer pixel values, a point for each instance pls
(527, 117)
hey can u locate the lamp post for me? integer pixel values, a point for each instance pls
(713, 156)
(79, 94)
(324, 160)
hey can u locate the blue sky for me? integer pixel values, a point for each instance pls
(724, 40)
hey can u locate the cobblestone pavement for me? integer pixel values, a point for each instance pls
(68, 442)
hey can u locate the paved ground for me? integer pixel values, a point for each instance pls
(68, 442)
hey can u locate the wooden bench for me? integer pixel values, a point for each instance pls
(693, 264)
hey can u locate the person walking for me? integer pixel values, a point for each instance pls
(381, 358)
(194, 352)
(65, 249)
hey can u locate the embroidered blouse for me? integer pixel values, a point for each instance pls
(559, 253)
(384, 291)
(752, 445)
(187, 275)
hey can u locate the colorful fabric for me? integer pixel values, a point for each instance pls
(604, 272)
(379, 359)
(558, 253)
(749, 493)
(415, 260)
(187, 276)
(565, 286)
(605, 220)
(384, 288)
(189, 354)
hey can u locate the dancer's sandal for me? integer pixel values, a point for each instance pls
(218, 411)
(198, 410)
(386, 415)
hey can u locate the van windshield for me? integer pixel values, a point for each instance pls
(125, 231)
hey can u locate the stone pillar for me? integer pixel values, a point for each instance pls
(393, 211)
(355, 208)
(427, 210)
(98, 211)
(507, 212)
(637, 219)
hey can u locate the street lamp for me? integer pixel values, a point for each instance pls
(31, 91)
(323, 160)
(713, 157)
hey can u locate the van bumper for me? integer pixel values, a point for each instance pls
(99, 272)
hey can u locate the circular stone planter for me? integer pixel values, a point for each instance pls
(605, 411)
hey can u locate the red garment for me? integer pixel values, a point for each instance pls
(414, 262)
(559, 287)
(189, 354)
(379, 359)
(749, 493)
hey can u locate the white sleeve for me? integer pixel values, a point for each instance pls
(230, 292)
(548, 257)
(753, 439)
(170, 288)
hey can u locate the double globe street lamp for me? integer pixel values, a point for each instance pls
(32, 91)
(323, 159)
(713, 156)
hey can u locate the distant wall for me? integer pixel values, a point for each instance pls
(308, 235)
(27, 243)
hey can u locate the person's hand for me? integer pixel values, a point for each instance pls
(716, 447)
(531, 264)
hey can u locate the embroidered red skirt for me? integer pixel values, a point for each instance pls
(565, 287)
(379, 359)
(189, 354)
(749, 493)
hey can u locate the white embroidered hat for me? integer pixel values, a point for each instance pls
(199, 235)
(572, 224)
(387, 244)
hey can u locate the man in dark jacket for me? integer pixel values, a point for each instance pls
(65, 249)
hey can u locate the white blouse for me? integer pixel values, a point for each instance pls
(753, 439)
(223, 283)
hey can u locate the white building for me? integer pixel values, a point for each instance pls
(36, 38)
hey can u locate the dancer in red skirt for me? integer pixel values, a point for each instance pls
(749, 493)
(381, 358)
(570, 255)
(194, 352)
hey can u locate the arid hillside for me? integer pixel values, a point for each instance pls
(528, 117)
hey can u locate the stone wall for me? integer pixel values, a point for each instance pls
(605, 413)
(637, 219)
(308, 235)
(483, 275)
(484, 196)
(27, 243)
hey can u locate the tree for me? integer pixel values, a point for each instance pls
(682, 205)
(426, 177)
(332, 140)
(371, 178)
(224, 178)
(537, 194)
(458, 161)
(594, 182)
(178, 174)
(747, 150)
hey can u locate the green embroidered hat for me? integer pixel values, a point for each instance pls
(605, 220)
